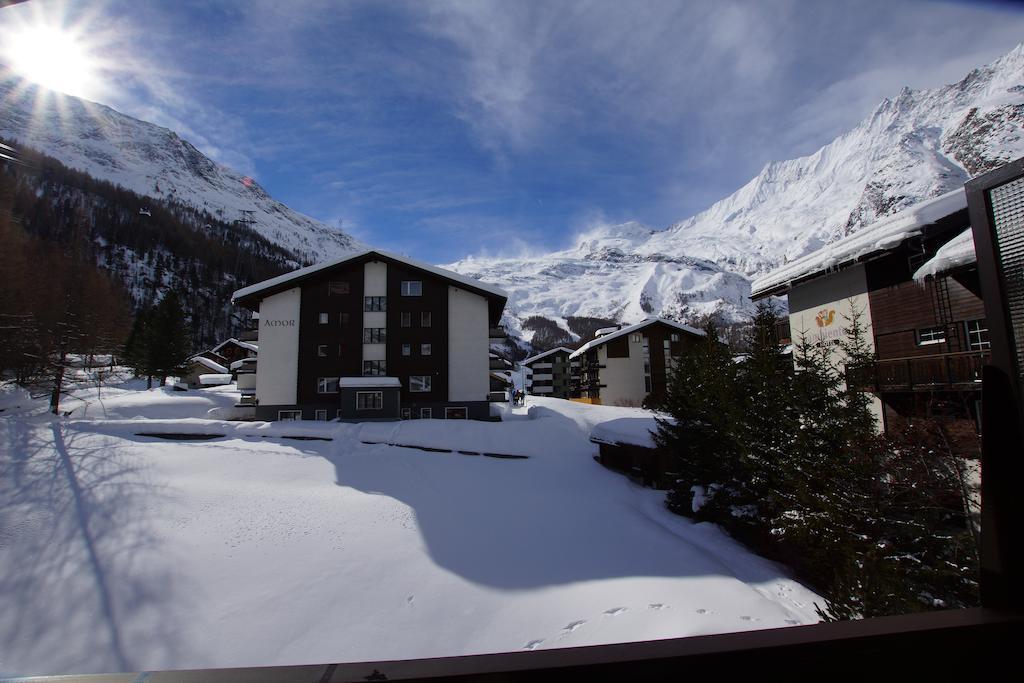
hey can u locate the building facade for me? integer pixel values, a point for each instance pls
(927, 332)
(550, 373)
(373, 336)
(626, 365)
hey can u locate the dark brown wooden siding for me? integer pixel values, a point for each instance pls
(435, 301)
(900, 307)
(344, 343)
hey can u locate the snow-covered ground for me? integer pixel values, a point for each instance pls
(128, 552)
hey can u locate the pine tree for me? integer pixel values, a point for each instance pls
(168, 338)
(701, 399)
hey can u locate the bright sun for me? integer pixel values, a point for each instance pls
(53, 58)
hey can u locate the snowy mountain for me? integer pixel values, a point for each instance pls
(153, 161)
(921, 144)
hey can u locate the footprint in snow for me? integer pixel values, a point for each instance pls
(573, 626)
(409, 600)
(533, 644)
(615, 610)
(746, 618)
(657, 605)
(792, 622)
(703, 611)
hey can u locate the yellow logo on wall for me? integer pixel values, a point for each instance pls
(825, 317)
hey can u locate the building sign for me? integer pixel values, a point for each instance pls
(825, 317)
(278, 323)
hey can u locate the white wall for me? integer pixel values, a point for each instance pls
(821, 310)
(624, 377)
(277, 371)
(375, 279)
(468, 346)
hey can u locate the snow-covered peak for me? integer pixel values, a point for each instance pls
(624, 237)
(154, 161)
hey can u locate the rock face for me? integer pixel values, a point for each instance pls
(155, 162)
(918, 145)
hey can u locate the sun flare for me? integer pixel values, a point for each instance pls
(51, 57)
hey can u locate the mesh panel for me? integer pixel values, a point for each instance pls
(1008, 216)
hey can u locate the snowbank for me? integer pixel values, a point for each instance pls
(215, 379)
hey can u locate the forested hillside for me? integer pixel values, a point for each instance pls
(148, 246)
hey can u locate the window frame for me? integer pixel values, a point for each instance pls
(983, 344)
(406, 349)
(378, 400)
(281, 416)
(321, 350)
(323, 318)
(375, 335)
(426, 349)
(322, 382)
(426, 320)
(407, 287)
(922, 331)
(424, 381)
(463, 409)
(375, 304)
(338, 288)
(318, 412)
(381, 365)
(426, 413)
(405, 319)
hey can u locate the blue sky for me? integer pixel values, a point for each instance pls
(444, 129)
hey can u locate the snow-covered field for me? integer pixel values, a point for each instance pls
(128, 552)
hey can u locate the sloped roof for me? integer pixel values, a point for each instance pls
(877, 237)
(955, 253)
(245, 345)
(542, 354)
(594, 343)
(207, 363)
(302, 273)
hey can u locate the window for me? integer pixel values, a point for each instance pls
(977, 335)
(324, 317)
(406, 413)
(369, 400)
(338, 414)
(424, 349)
(374, 335)
(287, 415)
(321, 350)
(375, 303)
(343, 319)
(425, 319)
(455, 414)
(406, 349)
(327, 385)
(675, 337)
(406, 319)
(931, 335)
(321, 415)
(635, 338)
(412, 288)
(419, 383)
(335, 288)
(426, 413)
(375, 368)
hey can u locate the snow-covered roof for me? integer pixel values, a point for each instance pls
(605, 330)
(542, 354)
(633, 328)
(368, 382)
(206, 362)
(634, 431)
(879, 236)
(245, 345)
(957, 252)
(215, 379)
(243, 361)
(501, 377)
(309, 270)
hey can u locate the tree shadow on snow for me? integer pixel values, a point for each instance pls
(82, 584)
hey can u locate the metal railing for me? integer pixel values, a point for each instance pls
(949, 371)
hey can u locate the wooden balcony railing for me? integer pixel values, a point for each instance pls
(951, 371)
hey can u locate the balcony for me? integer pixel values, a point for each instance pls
(946, 371)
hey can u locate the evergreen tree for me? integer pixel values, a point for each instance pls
(701, 399)
(136, 347)
(168, 338)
